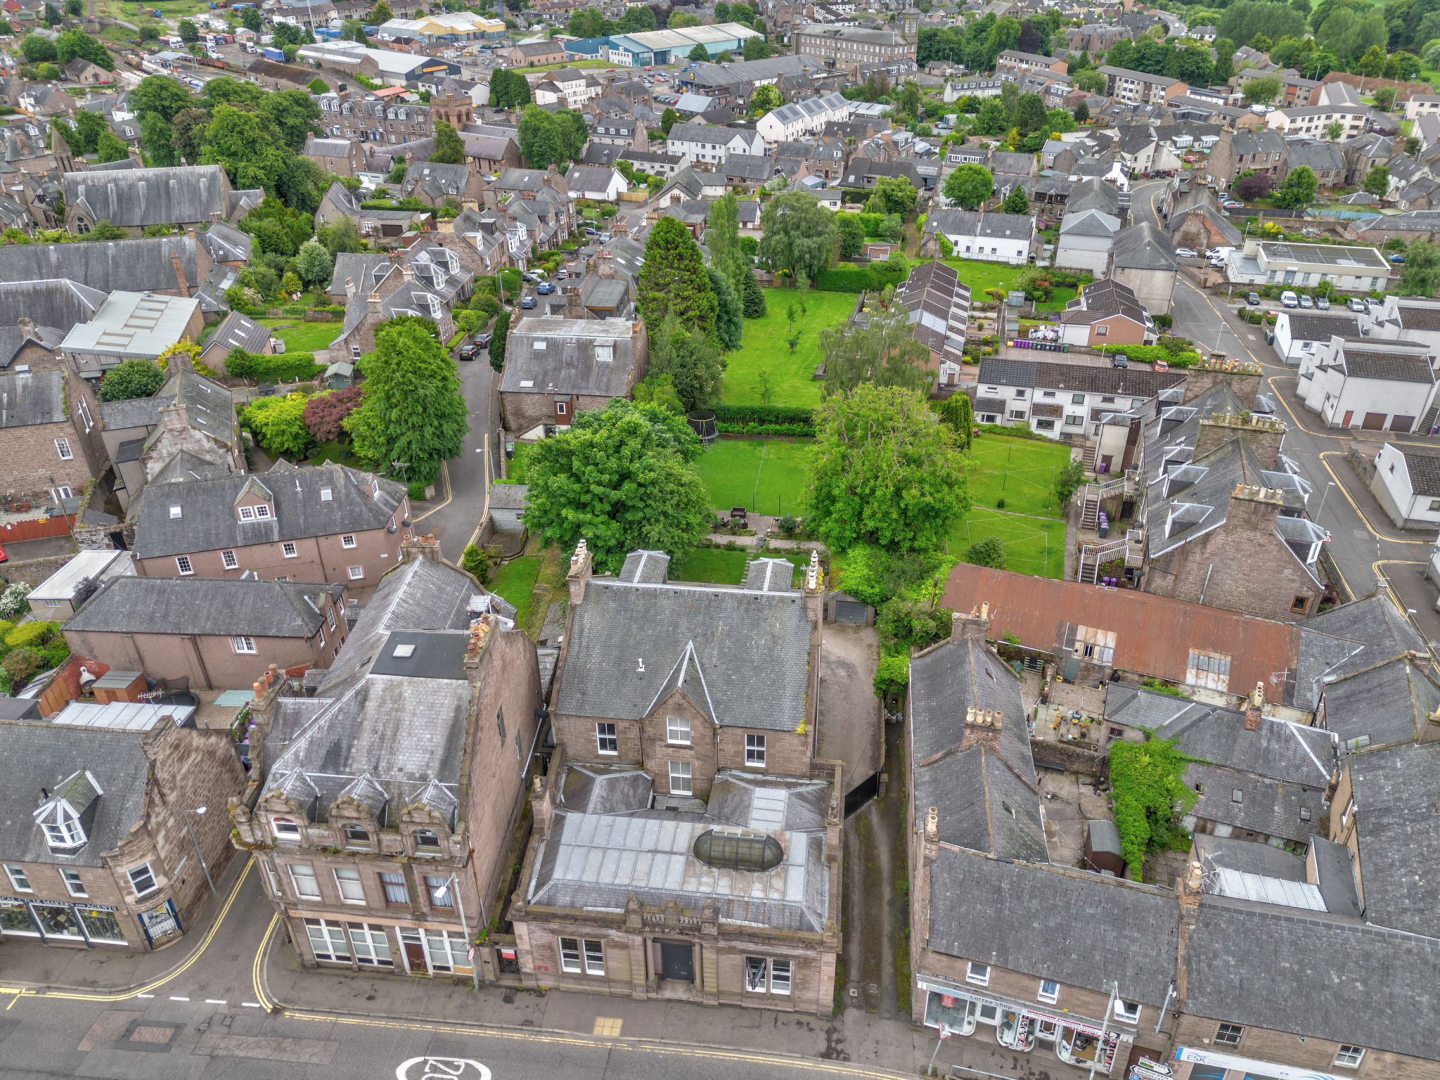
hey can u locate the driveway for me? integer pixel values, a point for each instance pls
(849, 712)
(458, 507)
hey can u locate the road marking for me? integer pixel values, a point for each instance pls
(215, 1001)
(146, 996)
(252, 1005)
(257, 966)
(449, 494)
(177, 997)
(1376, 533)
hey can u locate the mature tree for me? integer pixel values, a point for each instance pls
(1067, 482)
(659, 390)
(37, 49)
(852, 235)
(694, 362)
(907, 98)
(132, 379)
(84, 134)
(883, 353)
(449, 149)
(621, 479)
(1017, 202)
(412, 412)
(1251, 186)
(508, 89)
(1091, 81)
(291, 114)
(672, 282)
(885, 472)
(188, 31)
(541, 144)
(988, 552)
(1385, 98)
(339, 236)
(499, 333)
(959, 412)
(755, 49)
(800, 236)
(992, 118)
(637, 20)
(278, 424)
(892, 195)
(752, 297)
(1245, 19)
(969, 186)
(1297, 190)
(251, 19)
(722, 239)
(698, 54)
(1421, 274)
(764, 99)
(1082, 113)
(668, 119)
(729, 316)
(1030, 114)
(1377, 181)
(190, 128)
(1224, 59)
(70, 44)
(314, 263)
(75, 8)
(1334, 130)
(589, 23)
(110, 147)
(325, 414)
(679, 20)
(1262, 91)
(240, 142)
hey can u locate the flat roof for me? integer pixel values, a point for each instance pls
(88, 564)
(134, 324)
(121, 715)
(1326, 254)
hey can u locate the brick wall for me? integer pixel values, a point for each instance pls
(317, 558)
(577, 735)
(210, 663)
(33, 465)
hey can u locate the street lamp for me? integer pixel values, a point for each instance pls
(1323, 496)
(452, 884)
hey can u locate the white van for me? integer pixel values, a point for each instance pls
(1289, 299)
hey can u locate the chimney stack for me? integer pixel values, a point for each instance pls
(975, 625)
(582, 565)
(1253, 707)
(175, 418)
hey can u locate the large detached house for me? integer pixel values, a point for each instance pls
(1007, 238)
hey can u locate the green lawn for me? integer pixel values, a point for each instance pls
(515, 582)
(764, 476)
(725, 566)
(763, 349)
(300, 336)
(515, 470)
(1022, 473)
(981, 276)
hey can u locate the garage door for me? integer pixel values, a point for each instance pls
(852, 612)
(1374, 421)
(1403, 423)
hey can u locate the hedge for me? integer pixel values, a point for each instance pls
(858, 279)
(1149, 354)
(762, 414)
(730, 428)
(31, 635)
(280, 368)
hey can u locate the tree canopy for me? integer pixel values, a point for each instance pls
(885, 472)
(449, 149)
(693, 361)
(673, 283)
(508, 89)
(800, 236)
(620, 479)
(132, 379)
(1297, 190)
(969, 186)
(884, 352)
(412, 416)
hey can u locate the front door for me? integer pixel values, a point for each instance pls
(415, 962)
(677, 961)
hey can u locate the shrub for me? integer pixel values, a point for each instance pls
(475, 561)
(416, 490)
(325, 413)
(988, 552)
(282, 368)
(12, 600)
(787, 525)
(132, 379)
(31, 635)
(892, 675)
(22, 665)
(762, 414)
(278, 424)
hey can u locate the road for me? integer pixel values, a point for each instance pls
(1365, 546)
(461, 493)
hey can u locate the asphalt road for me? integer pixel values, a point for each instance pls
(1365, 546)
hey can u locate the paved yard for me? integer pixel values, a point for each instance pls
(849, 710)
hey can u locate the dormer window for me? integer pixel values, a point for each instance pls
(61, 812)
(286, 830)
(356, 835)
(427, 842)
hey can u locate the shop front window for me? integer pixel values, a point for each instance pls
(948, 1012)
(58, 921)
(101, 925)
(15, 919)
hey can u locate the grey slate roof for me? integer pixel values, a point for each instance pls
(598, 860)
(208, 521)
(31, 398)
(980, 224)
(1389, 703)
(567, 364)
(1320, 326)
(1349, 639)
(1315, 975)
(1272, 807)
(57, 302)
(42, 755)
(192, 193)
(1249, 857)
(105, 266)
(1385, 362)
(1142, 247)
(237, 331)
(1135, 381)
(1396, 792)
(206, 608)
(209, 407)
(1424, 470)
(742, 654)
(1080, 929)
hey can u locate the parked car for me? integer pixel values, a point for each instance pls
(1253, 299)
(469, 351)
(1187, 253)
(1289, 299)
(1323, 303)
(1233, 204)
(1120, 360)
(545, 288)
(529, 303)
(3, 556)
(1357, 305)
(1307, 302)
(1398, 260)
(529, 276)
(482, 340)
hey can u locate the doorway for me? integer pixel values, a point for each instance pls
(677, 961)
(414, 949)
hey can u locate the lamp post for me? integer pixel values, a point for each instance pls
(199, 811)
(1323, 495)
(452, 883)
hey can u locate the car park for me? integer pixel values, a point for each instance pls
(1322, 303)
(1289, 299)
(1306, 301)
(1187, 253)
(1253, 299)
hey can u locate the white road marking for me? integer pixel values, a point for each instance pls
(215, 1001)
(252, 1005)
(173, 997)
(145, 995)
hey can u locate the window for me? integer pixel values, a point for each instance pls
(307, 887)
(142, 880)
(327, 495)
(286, 830)
(395, 892)
(347, 881)
(356, 572)
(763, 974)
(73, 883)
(65, 833)
(594, 957)
(604, 353)
(680, 778)
(561, 408)
(19, 880)
(755, 751)
(243, 645)
(262, 511)
(1229, 1035)
(442, 894)
(327, 941)
(570, 955)
(1127, 1012)
(1207, 669)
(229, 561)
(288, 550)
(62, 492)
(606, 741)
(356, 835)
(372, 947)
(1102, 331)
(979, 974)
(1350, 1057)
(1049, 991)
(347, 541)
(1077, 399)
(62, 447)
(247, 513)
(1096, 645)
(1300, 603)
(677, 730)
(183, 564)
(427, 842)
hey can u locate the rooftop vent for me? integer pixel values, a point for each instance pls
(404, 652)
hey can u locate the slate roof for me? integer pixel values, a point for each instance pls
(741, 654)
(1348, 639)
(209, 407)
(1248, 857)
(208, 520)
(1142, 247)
(189, 193)
(1103, 299)
(1078, 928)
(1136, 381)
(1309, 326)
(599, 860)
(42, 755)
(1389, 703)
(1280, 969)
(1383, 361)
(203, 607)
(1424, 470)
(1396, 792)
(403, 731)
(980, 224)
(57, 303)
(567, 363)
(938, 305)
(31, 398)
(104, 266)
(1272, 807)
(238, 331)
